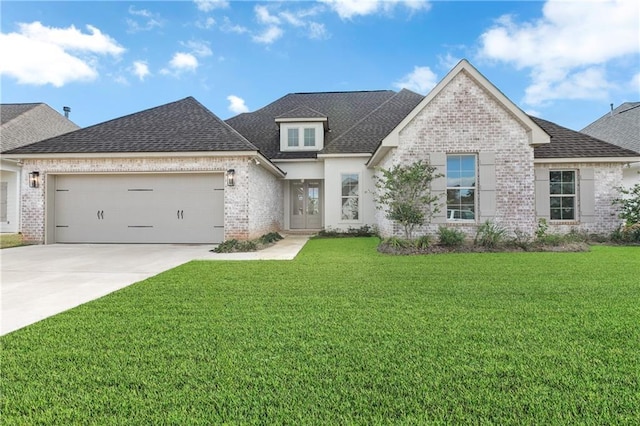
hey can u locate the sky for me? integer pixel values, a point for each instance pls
(565, 61)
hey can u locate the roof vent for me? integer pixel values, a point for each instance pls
(66, 110)
(611, 113)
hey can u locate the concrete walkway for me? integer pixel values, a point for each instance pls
(44, 280)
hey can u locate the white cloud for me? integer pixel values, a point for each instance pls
(181, 62)
(420, 80)
(209, 5)
(317, 31)
(199, 48)
(47, 55)
(264, 17)
(206, 24)
(229, 27)
(237, 105)
(448, 61)
(141, 70)
(150, 20)
(269, 36)
(572, 41)
(348, 9)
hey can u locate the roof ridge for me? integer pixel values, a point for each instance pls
(366, 116)
(340, 91)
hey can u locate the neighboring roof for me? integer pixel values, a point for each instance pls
(10, 112)
(620, 127)
(567, 143)
(181, 126)
(343, 110)
(23, 124)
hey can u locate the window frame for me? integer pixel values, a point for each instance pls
(474, 188)
(562, 195)
(290, 132)
(357, 197)
(302, 128)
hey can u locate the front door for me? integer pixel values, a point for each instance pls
(306, 208)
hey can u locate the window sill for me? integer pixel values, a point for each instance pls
(564, 222)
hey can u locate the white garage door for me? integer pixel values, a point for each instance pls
(147, 208)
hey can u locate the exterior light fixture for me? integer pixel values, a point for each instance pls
(34, 179)
(231, 177)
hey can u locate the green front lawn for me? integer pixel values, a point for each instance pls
(344, 335)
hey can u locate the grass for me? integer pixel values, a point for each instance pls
(10, 240)
(344, 335)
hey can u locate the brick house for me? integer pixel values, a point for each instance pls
(179, 174)
(23, 124)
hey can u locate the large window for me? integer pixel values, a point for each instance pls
(461, 187)
(309, 137)
(350, 197)
(292, 137)
(562, 189)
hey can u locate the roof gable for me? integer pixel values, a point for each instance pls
(181, 126)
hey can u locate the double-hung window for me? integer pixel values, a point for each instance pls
(461, 187)
(350, 197)
(293, 137)
(562, 191)
(309, 137)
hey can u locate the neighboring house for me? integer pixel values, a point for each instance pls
(621, 127)
(23, 124)
(178, 174)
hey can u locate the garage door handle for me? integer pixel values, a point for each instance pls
(100, 214)
(181, 214)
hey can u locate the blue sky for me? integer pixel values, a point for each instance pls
(562, 61)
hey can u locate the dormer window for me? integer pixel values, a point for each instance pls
(302, 130)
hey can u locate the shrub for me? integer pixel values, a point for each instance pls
(542, 228)
(627, 234)
(269, 238)
(363, 231)
(423, 242)
(450, 237)
(490, 234)
(551, 239)
(521, 240)
(629, 204)
(398, 243)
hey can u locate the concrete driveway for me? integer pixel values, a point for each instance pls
(44, 280)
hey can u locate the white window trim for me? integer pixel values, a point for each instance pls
(301, 126)
(576, 199)
(359, 220)
(475, 188)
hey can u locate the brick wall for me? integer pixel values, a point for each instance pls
(241, 200)
(607, 180)
(464, 118)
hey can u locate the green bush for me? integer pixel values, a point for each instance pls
(490, 235)
(269, 238)
(627, 234)
(522, 240)
(450, 237)
(398, 243)
(363, 231)
(551, 239)
(423, 242)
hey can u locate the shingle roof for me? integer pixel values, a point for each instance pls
(10, 112)
(620, 127)
(302, 112)
(180, 126)
(366, 135)
(343, 110)
(567, 143)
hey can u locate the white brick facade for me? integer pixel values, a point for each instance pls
(464, 118)
(247, 199)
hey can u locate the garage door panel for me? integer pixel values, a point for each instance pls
(180, 208)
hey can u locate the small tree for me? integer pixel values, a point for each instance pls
(629, 205)
(404, 192)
